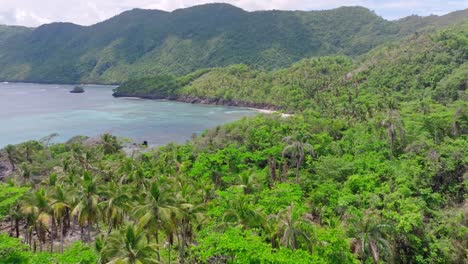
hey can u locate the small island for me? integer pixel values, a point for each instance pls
(77, 89)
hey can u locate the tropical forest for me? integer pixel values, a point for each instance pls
(360, 158)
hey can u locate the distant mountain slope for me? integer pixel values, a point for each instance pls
(412, 24)
(7, 32)
(140, 43)
(433, 65)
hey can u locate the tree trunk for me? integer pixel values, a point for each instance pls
(157, 242)
(182, 247)
(272, 164)
(285, 170)
(89, 232)
(374, 251)
(17, 227)
(298, 164)
(61, 236)
(12, 226)
(52, 235)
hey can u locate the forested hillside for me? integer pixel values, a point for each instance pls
(141, 43)
(371, 168)
(429, 64)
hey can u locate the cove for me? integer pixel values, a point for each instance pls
(33, 111)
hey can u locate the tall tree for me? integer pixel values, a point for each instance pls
(370, 238)
(87, 209)
(128, 245)
(296, 149)
(156, 208)
(60, 205)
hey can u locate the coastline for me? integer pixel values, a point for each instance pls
(270, 112)
(259, 107)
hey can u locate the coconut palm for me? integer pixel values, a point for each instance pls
(12, 155)
(370, 238)
(87, 209)
(288, 229)
(29, 148)
(248, 182)
(110, 144)
(128, 245)
(116, 205)
(60, 207)
(460, 122)
(394, 128)
(189, 215)
(156, 209)
(296, 149)
(241, 212)
(36, 208)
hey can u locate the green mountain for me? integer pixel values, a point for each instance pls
(431, 64)
(371, 167)
(140, 43)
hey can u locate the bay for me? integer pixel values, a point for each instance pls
(33, 111)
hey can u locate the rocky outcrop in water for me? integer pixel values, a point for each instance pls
(77, 89)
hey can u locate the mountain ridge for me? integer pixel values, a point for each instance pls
(139, 42)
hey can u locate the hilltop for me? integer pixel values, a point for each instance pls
(140, 43)
(433, 64)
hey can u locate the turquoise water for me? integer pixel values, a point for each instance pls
(33, 111)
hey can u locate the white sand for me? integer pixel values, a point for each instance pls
(266, 111)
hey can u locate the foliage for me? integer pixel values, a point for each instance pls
(9, 197)
(143, 43)
(371, 168)
(426, 65)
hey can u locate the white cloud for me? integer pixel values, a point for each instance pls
(85, 12)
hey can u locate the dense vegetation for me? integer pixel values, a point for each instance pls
(141, 43)
(432, 65)
(371, 168)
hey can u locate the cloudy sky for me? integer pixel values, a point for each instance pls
(86, 12)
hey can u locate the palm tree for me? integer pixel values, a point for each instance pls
(248, 183)
(12, 154)
(60, 209)
(241, 212)
(116, 205)
(394, 128)
(460, 120)
(370, 238)
(288, 229)
(30, 147)
(128, 246)
(87, 209)
(189, 215)
(156, 209)
(297, 148)
(36, 208)
(110, 144)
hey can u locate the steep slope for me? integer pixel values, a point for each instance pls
(431, 64)
(7, 32)
(413, 24)
(140, 43)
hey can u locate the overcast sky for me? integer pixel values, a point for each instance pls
(86, 12)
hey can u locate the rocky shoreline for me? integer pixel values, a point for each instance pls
(200, 100)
